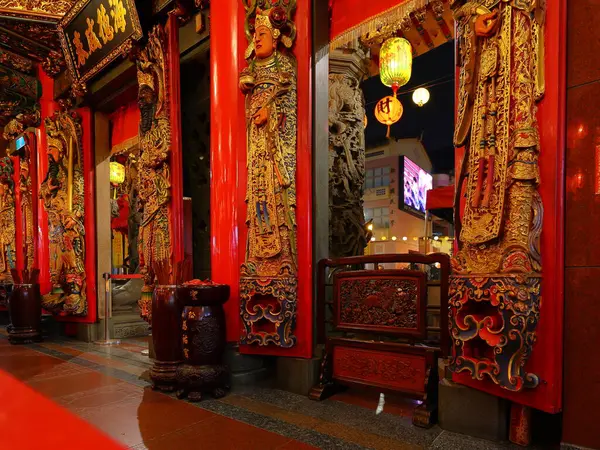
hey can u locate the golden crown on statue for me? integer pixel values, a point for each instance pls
(145, 79)
(263, 20)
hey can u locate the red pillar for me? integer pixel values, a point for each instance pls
(20, 258)
(89, 221)
(48, 106)
(227, 141)
(177, 241)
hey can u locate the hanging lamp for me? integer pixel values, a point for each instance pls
(388, 111)
(420, 96)
(395, 63)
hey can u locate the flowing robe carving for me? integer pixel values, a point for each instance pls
(498, 265)
(62, 193)
(271, 163)
(268, 275)
(153, 184)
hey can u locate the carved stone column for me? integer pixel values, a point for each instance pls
(348, 234)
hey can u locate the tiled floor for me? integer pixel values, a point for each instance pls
(107, 387)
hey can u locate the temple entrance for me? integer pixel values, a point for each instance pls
(391, 154)
(391, 127)
(417, 156)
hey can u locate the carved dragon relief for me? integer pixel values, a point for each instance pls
(348, 233)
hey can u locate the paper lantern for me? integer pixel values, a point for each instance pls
(395, 62)
(388, 111)
(117, 173)
(420, 96)
(365, 121)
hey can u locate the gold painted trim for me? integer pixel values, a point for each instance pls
(125, 146)
(387, 17)
(25, 14)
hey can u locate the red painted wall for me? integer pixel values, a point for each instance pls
(582, 202)
(228, 168)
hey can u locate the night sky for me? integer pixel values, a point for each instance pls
(435, 120)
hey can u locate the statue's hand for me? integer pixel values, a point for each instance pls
(260, 118)
(486, 24)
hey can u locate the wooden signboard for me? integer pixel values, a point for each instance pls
(96, 32)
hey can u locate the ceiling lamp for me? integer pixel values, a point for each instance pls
(395, 63)
(388, 111)
(420, 96)
(117, 173)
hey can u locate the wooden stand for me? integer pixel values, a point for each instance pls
(25, 309)
(166, 337)
(390, 302)
(385, 366)
(203, 337)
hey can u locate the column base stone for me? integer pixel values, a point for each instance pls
(469, 411)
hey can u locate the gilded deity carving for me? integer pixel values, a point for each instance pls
(153, 184)
(496, 286)
(7, 219)
(62, 194)
(270, 267)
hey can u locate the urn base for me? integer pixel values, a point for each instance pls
(194, 381)
(163, 376)
(23, 335)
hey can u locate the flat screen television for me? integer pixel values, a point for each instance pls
(416, 183)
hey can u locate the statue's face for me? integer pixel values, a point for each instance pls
(24, 169)
(264, 43)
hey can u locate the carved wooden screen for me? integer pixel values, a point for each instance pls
(381, 301)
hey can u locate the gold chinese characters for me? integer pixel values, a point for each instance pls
(106, 30)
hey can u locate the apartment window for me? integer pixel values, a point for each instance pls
(380, 216)
(376, 178)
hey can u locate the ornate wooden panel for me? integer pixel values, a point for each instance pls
(382, 301)
(383, 369)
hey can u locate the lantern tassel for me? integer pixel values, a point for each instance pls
(388, 132)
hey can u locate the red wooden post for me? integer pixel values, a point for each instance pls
(48, 106)
(177, 242)
(20, 258)
(227, 144)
